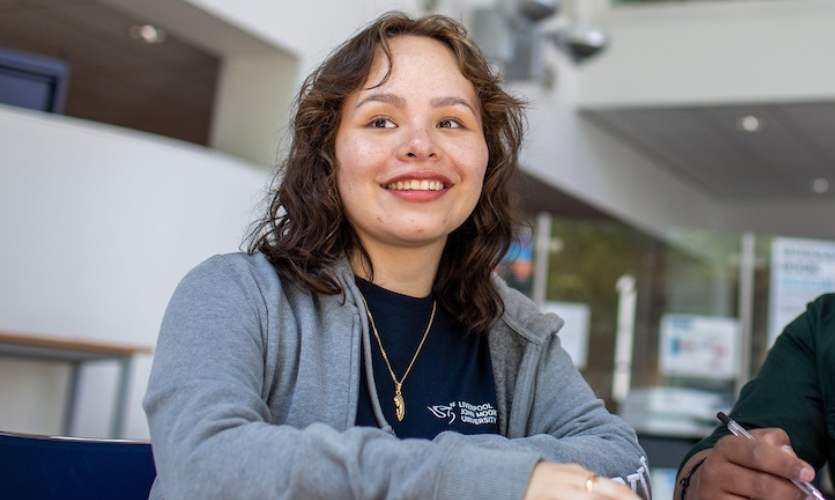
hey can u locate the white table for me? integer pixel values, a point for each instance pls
(75, 353)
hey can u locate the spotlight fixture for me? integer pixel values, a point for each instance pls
(819, 186)
(749, 123)
(147, 33)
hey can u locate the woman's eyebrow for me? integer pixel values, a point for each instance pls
(397, 101)
(441, 102)
(384, 98)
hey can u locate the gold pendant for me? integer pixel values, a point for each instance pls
(399, 406)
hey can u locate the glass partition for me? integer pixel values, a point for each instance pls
(689, 313)
(667, 327)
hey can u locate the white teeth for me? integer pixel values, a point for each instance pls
(416, 185)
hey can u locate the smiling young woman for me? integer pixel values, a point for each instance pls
(366, 310)
(306, 229)
(411, 159)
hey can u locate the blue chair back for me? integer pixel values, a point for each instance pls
(48, 467)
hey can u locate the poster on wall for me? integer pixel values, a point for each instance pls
(699, 346)
(801, 270)
(574, 335)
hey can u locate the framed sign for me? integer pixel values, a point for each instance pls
(699, 346)
(801, 270)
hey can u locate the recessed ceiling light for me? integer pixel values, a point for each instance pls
(147, 33)
(819, 186)
(749, 123)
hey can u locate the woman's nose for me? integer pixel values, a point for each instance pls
(418, 145)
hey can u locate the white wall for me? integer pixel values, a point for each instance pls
(98, 226)
(714, 52)
(251, 114)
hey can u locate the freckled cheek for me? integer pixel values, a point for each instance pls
(471, 155)
(359, 159)
(478, 171)
(350, 175)
(361, 146)
(478, 166)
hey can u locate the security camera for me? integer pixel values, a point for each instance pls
(580, 42)
(537, 10)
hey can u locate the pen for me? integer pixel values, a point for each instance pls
(738, 430)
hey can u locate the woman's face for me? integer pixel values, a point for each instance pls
(411, 154)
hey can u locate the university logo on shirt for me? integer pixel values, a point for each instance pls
(464, 412)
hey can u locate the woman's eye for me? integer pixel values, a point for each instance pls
(382, 123)
(449, 123)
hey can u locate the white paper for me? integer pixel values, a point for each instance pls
(574, 336)
(800, 271)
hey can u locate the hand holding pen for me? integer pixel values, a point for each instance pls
(804, 486)
(759, 464)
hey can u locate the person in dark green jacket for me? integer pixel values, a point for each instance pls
(789, 408)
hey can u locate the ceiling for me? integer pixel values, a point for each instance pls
(166, 88)
(169, 89)
(708, 146)
(537, 196)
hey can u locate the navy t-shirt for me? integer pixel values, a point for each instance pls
(450, 386)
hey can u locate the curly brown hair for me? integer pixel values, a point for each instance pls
(305, 231)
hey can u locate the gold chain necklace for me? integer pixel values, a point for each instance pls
(399, 403)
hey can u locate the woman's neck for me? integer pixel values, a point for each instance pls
(407, 271)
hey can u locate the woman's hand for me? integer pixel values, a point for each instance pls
(570, 482)
(744, 468)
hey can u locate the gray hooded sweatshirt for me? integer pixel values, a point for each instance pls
(255, 385)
